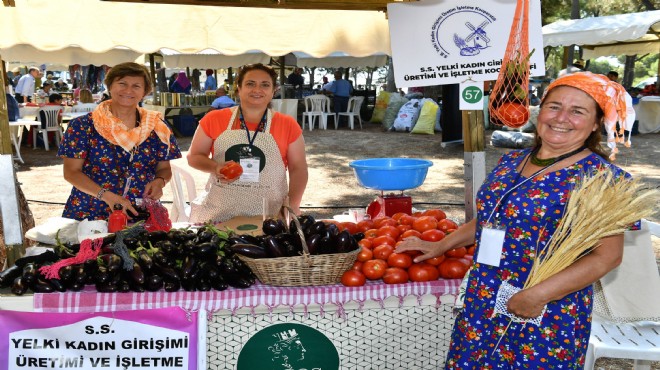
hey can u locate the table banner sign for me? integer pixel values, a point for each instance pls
(439, 42)
(155, 339)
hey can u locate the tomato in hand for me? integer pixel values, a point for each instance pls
(400, 260)
(452, 268)
(231, 170)
(423, 272)
(374, 269)
(395, 275)
(353, 278)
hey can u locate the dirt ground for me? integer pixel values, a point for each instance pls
(332, 187)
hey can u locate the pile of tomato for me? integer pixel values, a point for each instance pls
(377, 259)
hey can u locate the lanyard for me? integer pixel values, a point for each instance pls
(262, 126)
(504, 197)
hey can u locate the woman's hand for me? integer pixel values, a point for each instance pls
(111, 199)
(428, 249)
(154, 189)
(525, 304)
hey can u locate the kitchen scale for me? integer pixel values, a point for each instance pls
(393, 175)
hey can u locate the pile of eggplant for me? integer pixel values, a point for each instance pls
(280, 241)
(192, 260)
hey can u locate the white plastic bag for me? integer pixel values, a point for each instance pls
(407, 116)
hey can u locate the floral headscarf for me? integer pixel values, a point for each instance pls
(609, 95)
(112, 129)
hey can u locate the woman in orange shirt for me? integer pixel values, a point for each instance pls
(265, 143)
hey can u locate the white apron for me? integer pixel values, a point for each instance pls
(223, 201)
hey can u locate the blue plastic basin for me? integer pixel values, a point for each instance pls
(391, 173)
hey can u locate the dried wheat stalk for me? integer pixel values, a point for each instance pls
(599, 206)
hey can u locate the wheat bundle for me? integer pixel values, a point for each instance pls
(600, 205)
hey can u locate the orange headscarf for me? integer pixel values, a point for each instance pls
(609, 95)
(113, 130)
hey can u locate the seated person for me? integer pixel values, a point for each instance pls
(222, 100)
(46, 90)
(60, 85)
(182, 84)
(86, 97)
(55, 99)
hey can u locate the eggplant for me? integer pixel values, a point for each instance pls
(167, 273)
(18, 286)
(153, 283)
(249, 250)
(331, 230)
(79, 274)
(177, 236)
(313, 243)
(39, 259)
(123, 286)
(237, 281)
(136, 274)
(188, 285)
(7, 277)
(189, 268)
(102, 276)
(108, 287)
(273, 248)
(57, 285)
(273, 226)
(206, 249)
(188, 248)
(171, 286)
(203, 285)
(144, 260)
(358, 236)
(29, 274)
(244, 270)
(132, 243)
(159, 258)
(111, 261)
(66, 274)
(203, 236)
(137, 288)
(219, 284)
(317, 228)
(156, 236)
(327, 245)
(249, 239)
(42, 286)
(108, 249)
(166, 246)
(210, 272)
(75, 286)
(343, 242)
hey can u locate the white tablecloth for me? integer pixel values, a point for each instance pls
(648, 114)
(31, 112)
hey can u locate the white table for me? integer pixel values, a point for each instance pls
(71, 115)
(30, 112)
(286, 106)
(16, 132)
(648, 114)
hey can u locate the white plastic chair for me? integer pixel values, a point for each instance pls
(639, 340)
(181, 204)
(315, 106)
(83, 107)
(352, 111)
(51, 115)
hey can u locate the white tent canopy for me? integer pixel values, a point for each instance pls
(62, 58)
(211, 59)
(340, 60)
(632, 33)
(99, 26)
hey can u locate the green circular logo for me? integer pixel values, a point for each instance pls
(288, 346)
(472, 94)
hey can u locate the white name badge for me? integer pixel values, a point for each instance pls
(250, 169)
(490, 246)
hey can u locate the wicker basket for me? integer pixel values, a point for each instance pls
(304, 270)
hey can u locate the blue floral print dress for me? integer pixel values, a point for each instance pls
(530, 213)
(110, 166)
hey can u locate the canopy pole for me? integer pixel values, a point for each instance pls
(152, 68)
(474, 158)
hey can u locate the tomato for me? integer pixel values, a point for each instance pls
(452, 268)
(403, 229)
(401, 260)
(418, 214)
(365, 255)
(231, 170)
(395, 275)
(470, 249)
(365, 225)
(353, 278)
(357, 265)
(384, 239)
(446, 225)
(406, 220)
(365, 243)
(388, 222)
(371, 233)
(423, 272)
(410, 233)
(435, 261)
(382, 221)
(383, 251)
(374, 269)
(398, 215)
(513, 114)
(389, 231)
(350, 226)
(435, 213)
(424, 223)
(456, 252)
(432, 235)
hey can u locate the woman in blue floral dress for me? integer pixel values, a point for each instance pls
(518, 209)
(118, 152)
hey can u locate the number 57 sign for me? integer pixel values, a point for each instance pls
(472, 94)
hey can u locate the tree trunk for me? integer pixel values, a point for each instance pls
(629, 71)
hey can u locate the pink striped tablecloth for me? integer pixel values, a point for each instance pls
(234, 299)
